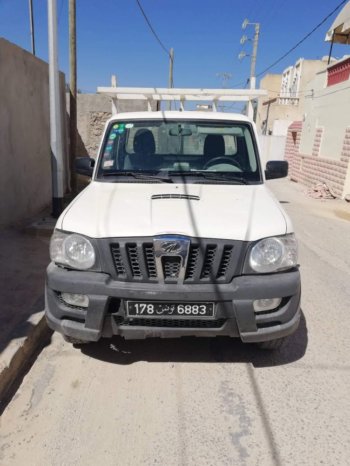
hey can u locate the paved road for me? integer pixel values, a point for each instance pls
(204, 402)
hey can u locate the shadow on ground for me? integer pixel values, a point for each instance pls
(191, 350)
(23, 261)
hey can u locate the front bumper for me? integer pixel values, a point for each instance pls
(234, 316)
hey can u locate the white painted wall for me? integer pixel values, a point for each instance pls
(272, 148)
(280, 127)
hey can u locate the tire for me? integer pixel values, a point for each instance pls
(272, 345)
(74, 341)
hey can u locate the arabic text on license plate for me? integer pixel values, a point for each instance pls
(157, 309)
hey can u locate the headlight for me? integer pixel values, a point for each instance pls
(274, 254)
(73, 250)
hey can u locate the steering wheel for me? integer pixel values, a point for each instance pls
(221, 159)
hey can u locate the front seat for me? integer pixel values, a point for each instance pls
(144, 157)
(214, 146)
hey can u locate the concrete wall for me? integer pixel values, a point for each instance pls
(25, 175)
(272, 84)
(310, 68)
(280, 127)
(272, 148)
(327, 112)
(287, 113)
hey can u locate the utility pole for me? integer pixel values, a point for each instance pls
(72, 92)
(254, 54)
(31, 21)
(252, 79)
(56, 139)
(171, 68)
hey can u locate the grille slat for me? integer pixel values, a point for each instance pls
(192, 262)
(225, 261)
(174, 323)
(210, 253)
(117, 259)
(148, 250)
(134, 259)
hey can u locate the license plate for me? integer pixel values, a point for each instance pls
(177, 310)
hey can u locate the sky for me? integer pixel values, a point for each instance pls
(113, 38)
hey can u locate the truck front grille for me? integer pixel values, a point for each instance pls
(208, 261)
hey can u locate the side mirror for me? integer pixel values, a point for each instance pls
(276, 169)
(84, 166)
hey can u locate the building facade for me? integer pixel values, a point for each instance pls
(286, 96)
(318, 144)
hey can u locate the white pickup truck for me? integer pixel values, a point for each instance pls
(176, 235)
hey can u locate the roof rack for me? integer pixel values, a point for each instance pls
(158, 94)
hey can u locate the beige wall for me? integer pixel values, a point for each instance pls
(288, 113)
(25, 175)
(327, 108)
(272, 84)
(310, 68)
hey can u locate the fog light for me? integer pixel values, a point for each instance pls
(262, 305)
(79, 300)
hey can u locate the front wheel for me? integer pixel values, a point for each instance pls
(272, 345)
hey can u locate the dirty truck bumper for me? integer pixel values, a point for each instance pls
(234, 312)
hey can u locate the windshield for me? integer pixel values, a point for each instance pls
(187, 148)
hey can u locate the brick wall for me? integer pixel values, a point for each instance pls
(311, 169)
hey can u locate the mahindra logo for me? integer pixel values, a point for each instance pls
(171, 247)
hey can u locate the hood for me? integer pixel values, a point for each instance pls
(237, 212)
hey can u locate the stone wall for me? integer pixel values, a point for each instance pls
(93, 110)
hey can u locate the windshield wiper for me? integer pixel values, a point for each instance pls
(139, 176)
(215, 176)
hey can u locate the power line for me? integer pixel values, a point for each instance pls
(239, 85)
(152, 29)
(158, 40)
(303, 39)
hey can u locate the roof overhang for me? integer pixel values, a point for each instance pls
(339, 33)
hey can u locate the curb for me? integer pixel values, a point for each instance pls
(21, 360)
